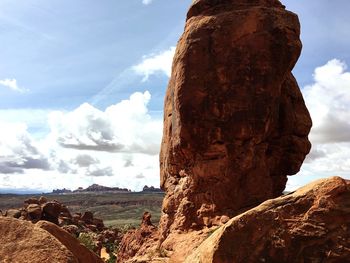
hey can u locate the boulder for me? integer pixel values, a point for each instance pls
(31, 200)
(80, 252)
(51, 211)
(309, 225)
(34, 212)
(98, 223)
(16, 213)
(42, 200)
(22, 241)
(65, 212)
(88, 217)
(235, 122)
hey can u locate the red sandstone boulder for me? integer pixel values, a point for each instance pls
(88, 217)
(16, 213)
(34, 212)
(42, 200)
(51, 211)
(235, 122)
(65, 212)
(80, 252)
(98, 223)
(22, 241)
(31, 201)
(309, 225)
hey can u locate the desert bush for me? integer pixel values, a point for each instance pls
(87, 240)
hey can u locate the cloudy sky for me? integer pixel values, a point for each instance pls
(82, 86)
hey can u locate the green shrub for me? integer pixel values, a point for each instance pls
(87, 240)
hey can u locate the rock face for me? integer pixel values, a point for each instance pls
(140, 243)
(309, 225)
(22, 241)
(235, 122)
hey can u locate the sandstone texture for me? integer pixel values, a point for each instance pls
(309, 225)
(139, 245)
(80, 252)
(235, 122)
(22, 241)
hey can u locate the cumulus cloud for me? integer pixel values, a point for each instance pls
(97, 171)
(328, 100)
(147, 2)
(11, 84)
(155, 63)
(18, 150)
(85, 160)
(109, 147)
(124, 127)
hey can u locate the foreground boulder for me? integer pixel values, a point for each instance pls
(80, 252)
(235, 122)
(309, 225)
(22, 241)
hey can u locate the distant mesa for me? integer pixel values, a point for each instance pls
(61, 191)
(151, 189)
(100, 188)
(92, 188)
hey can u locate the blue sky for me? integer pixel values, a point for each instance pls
(82, 86)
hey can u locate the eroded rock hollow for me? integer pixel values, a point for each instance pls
(235, 122)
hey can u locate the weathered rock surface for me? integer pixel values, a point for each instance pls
(80, 252)
(34, 212)
(22, 241)
(309, 225)
(235, 122)
(15, 213)
(139, 245)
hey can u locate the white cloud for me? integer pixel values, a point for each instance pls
(156, 63)
(109, 147)
(18, 151)
(328, 100)
(147, 2)
(124, 127)
(12, 84)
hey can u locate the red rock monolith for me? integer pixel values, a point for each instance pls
(235, 122)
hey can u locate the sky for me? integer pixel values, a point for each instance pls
(82, 86)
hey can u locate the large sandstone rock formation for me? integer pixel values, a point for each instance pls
(22, 241)
(310, 225)
(235, 123)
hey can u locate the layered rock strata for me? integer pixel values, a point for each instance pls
(235, 122)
